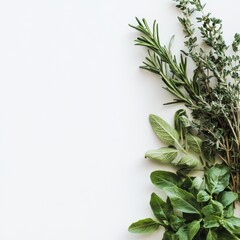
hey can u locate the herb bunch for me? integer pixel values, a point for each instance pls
(212, 93)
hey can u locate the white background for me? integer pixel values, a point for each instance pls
(74, 112)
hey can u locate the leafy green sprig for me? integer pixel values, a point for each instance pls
(204, 207)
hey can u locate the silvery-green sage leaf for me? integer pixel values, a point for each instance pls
(163, 155)
(163, 130)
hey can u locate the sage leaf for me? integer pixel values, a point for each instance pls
(186, 161)
(147, 225)
(193, 229)
(194, 143)
(163, 155)
(182, 200)
(217, 178)
(163, 130)
(164, 179)
(161, 210)
(226, 198)
(212, 235)
(203, 196)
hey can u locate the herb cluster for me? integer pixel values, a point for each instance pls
(196, 208)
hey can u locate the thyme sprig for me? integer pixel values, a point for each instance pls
(212, 94)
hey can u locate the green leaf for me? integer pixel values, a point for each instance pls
(213, 208)
(161, 210)
(176, 222)
(147, 225)
(232, 225)
(163, 155)
(211, 221)
(228, 211)
(193, 229)
(226, 198)
(186, 161)
(194, 143)
(182, 200)
(182, 233)
(169, 235)
(212, 235)
(217, 178)
(163, 179)
(163, 130)
(203, 196)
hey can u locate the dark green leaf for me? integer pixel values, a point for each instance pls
(176, 222)
(169, 235)
(163, 179)
(161, 210)
(211, 221)
(147, 225)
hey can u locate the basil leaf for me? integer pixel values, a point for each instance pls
(163, 130)
(211, 221)
(182, 200)
(226, 198)
(182, 233)
(193, 229)
(212, 235)
(161, 210)
(176, 222)
(217, 178)
(163, 179)
(213, 208)
(194, 143)
(163, 155)
(147, 225)
(203, 196)
(169, 235)
(231, 226)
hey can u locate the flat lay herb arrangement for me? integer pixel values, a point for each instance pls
(196, 207)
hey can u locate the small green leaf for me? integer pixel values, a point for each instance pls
(186, 161)
(211, 221)
(163, 130)
(213, 208)
(226, 198)
(193, 229)
(163, 179)
(176, 222)
(217, 178)
(161, 210)
(147, 225)
(163, 155)
(169, 235)
(182, 233)
(212, 235)
(194, 143)
(203, 196)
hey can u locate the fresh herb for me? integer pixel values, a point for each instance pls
(212, 93)
(195, 208)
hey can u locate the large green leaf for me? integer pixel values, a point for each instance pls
(227, 197)
(217, 178)
(163, 155)
(193, 229)
(161, 209)
(194, 143)
(163, 179)
(147, 225)
(182, 200)
(163, 130)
